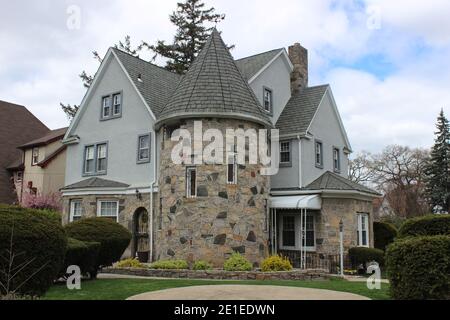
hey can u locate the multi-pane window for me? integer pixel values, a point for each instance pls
(89, 162)
(319, 154)
(289, 231)
(144, 148)
(268, 99)
(111, 106)
(285, 153)
(95, 159)
(363, 230)
(117, 104)
(308, 228)
(232, 170)
(34, 156)
(191, 182)
(76, 210)
(108, 209)
(336, 160)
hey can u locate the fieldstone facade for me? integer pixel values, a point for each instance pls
(222, 218)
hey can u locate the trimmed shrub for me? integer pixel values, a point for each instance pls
(82, 254)
(130, 263)
(202, 265)
(384, 234)
(431, 225)
(113, 238)
(237, 262)
(362, 256)
(170, 265)
(38, 245)
(419, 268)
(276, 263)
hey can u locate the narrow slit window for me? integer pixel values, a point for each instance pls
(117, 104)
(232, 170)
(268, 100)
(191, 182)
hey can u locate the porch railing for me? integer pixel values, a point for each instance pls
(314, 260)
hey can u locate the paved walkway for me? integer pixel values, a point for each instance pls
(246, 292)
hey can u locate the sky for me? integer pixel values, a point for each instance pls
(387, 61)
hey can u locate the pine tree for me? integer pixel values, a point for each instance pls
(438, 169)
(190, 18)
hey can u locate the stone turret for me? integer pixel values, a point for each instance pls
(299, 58)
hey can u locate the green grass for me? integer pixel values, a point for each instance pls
(120, 289)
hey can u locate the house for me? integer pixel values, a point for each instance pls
(17, 126)
(120, 151)
(43, 166)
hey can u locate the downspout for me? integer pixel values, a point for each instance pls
(152, 186)
(23, 177)
(300, 176)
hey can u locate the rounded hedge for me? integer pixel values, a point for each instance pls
(384, 234)
(82, 254)
(419, 268)
(113, 238)
(276, 263)
(38, 243)
(361, 256)
(237, 262)
(431, 225)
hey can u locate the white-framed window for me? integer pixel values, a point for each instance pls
(290, 230)
(106, 107)
(117, 104)
(232, 169)
(363, 230)
(336, 160)
(19, 176)
(76, 210)
(285, 153)
(318, 154)
(191, 182)
(108, 209)
(143, 148)
(95, 159)
(34, 156)
(101, 157)
(268, 99)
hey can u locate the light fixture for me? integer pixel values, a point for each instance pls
(138, 195)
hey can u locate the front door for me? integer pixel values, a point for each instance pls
(141, 235)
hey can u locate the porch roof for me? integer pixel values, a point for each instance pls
(313, 202)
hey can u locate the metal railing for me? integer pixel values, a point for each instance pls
(328, 262)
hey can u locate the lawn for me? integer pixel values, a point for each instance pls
(120, 289)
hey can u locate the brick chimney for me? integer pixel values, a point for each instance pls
(299, 76)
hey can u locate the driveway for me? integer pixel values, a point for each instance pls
(246, 292)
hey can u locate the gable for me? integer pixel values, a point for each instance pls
(327, 123)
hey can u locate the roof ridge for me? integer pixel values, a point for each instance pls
(258, 54)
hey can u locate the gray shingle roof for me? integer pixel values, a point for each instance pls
(249, 66)
(158, 84)
(96, 183)
(214, 86)
(300, 109)
(332, 181)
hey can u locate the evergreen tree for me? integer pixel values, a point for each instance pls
(192, 33)
(438, 169)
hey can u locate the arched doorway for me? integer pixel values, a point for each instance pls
(141, 247)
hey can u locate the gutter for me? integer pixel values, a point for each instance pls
(300, 175)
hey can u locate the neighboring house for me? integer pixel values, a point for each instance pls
(44, 165)
(382, 208)
(119, 153)
(17, 126)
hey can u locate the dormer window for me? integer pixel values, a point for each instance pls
(268, 100)
(111, 106)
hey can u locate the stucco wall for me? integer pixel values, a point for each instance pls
(277, 78)
(121, 134)
(325, 127)
(288, 177)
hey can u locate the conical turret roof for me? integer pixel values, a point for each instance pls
(214, 87)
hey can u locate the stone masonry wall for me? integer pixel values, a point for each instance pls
(327, 223)
(223, 218)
